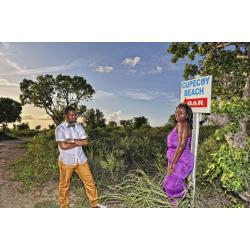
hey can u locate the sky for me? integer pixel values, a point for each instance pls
(130, 79)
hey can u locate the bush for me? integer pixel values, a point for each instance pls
(40, 163)
(25, 133)
(232, 167)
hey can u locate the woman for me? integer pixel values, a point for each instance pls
(180, 158)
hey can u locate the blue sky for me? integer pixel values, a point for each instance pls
(130, 79)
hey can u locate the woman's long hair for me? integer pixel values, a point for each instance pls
(189, 113)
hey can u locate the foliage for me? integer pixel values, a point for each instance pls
(23, 126)
(126, 123)
(39, 164)
(232, 166)
(10, 111)
(55, 93)
(26, 133)
(140, 121)
(38, 127)
(94, 118)
(235, 107)
(135, 123)
(112, 124)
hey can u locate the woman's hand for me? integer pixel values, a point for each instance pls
(170, 169)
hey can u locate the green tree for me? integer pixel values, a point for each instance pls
(172, 120)
(94, 118)
(55, 93)
(229, 63)
(52, 126)
(38, 127)
(140, 121)
(23, 126)
(10, 111)
(112, 124)
(126, 123)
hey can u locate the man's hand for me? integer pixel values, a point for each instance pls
(70, 141)
(83, 142)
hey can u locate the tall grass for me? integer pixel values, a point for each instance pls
(138, 190)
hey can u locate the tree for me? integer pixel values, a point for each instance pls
(140, 121)
(126, 123)
(55, 93)
(38, 127)
(112, 124)
(23, 126)
(52, 126)
(94, 118)
(229, 63)
(172, 120)
(10, 111)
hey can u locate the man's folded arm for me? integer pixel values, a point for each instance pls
(67, 144)
(82, 142)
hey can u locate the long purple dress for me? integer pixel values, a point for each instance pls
(173, 184)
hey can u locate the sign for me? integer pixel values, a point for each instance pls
(198, 102)
(197, 94)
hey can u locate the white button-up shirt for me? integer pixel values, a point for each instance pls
(76, 154)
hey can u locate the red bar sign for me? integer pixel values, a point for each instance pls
(196, 102)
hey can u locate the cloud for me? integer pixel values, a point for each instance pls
(11, 68)
(156, 70)
(131, 61)
(132, 71)
(28, 117)
(5, 45)
(139, 95)
(44, 118)
(104, 69)
(10, 62)
(5, 82)
(116, 116)
(150, 95)
(101, 94)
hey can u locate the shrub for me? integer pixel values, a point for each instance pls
(40, 163)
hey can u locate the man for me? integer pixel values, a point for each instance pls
(70, 137)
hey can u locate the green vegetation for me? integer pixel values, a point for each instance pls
(128, 165)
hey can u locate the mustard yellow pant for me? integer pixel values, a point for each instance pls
(83, 171)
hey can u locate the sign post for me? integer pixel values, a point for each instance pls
(197, 94)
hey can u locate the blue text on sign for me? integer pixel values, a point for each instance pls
(195, 82)
(196, 91)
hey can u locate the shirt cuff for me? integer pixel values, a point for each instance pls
(84, 137)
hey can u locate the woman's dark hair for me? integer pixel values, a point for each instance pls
(68, 109)
(189, 113)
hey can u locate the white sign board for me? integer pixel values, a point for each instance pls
(197, 94)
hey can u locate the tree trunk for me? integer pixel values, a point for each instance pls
(241, 137)
(220, 120)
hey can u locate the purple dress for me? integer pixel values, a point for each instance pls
(173, 184)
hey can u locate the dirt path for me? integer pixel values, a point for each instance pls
(12, 193)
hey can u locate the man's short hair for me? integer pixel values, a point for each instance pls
(68, 109)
